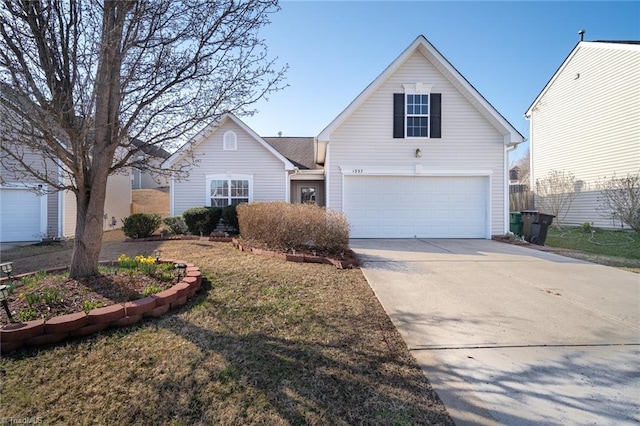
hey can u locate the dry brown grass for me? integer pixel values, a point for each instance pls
(266, 341)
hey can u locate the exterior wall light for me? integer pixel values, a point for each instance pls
(418, 153)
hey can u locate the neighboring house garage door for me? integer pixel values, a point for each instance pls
(417, 206)
(21, 215)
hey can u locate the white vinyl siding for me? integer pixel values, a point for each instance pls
(468, 140)
(250, 158)
(69, 216)
(117, 202)
(588, 123)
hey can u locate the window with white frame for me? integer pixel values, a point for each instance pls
(417, 107)
(224, 190)
(417, 112)
(229, 141)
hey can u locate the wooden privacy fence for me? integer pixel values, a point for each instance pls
(150, 201)
(520, 198)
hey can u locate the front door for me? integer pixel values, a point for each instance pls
(308, 192)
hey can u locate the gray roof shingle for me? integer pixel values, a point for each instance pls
(298, 150)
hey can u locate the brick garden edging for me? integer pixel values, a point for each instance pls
(80, 324)
(350, 259)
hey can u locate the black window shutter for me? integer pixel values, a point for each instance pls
(398, 115)
(435, 116)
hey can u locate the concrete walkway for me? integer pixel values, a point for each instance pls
(510, 335)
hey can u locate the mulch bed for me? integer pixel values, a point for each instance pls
(119, 286)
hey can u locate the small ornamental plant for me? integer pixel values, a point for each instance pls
(148, 266)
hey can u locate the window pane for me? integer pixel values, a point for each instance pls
(417, 126)
(308, 195)
(218, 188)
(240, 188)
(219, 202)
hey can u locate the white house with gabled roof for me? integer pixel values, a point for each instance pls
(419, 153)
(586, 121)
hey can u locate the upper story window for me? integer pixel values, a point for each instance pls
(229, 141)
(417, 112)
(417, 116)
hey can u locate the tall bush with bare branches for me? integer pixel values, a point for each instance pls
(555, 193)
(81, 80)
(620, 198)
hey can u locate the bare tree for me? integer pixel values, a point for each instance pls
(555, 193)
(620, 198)
(80, 80)
(523, 168)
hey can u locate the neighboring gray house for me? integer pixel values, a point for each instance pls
(419, 153)
(142, 178)
(586, 121)
(29, 211)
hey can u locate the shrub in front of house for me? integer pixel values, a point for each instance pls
(175, 225)
(230, 217)
(202, 220)
(294, 227)
(141, 225)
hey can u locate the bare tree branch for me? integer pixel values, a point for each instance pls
(81, 80)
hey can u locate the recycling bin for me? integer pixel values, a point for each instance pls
(515, 223)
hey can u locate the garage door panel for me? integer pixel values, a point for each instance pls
(21, 215)
(412, 206)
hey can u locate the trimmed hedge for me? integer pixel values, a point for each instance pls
(176, 225)
(230, 217)
(141, 225)
(289, 227)
(202, 219)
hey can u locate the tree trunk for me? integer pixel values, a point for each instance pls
(92, 173)
(88, 236)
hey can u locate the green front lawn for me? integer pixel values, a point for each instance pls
(624, 244)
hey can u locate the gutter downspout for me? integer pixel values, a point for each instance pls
(507, 149)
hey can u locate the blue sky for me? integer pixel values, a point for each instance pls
(507, 50)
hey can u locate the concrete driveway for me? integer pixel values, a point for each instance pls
(511, 335)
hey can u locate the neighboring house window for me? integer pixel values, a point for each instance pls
(229, 141)
(417, 112)
(229, 190)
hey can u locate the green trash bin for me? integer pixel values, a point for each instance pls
(515, 223)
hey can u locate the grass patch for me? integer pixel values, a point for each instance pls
(613, 248)
(624, 244)
(265, 342)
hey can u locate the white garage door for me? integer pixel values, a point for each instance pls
(422, 207)
(20, 215)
